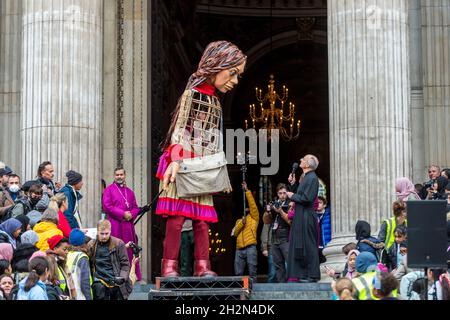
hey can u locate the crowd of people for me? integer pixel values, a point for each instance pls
(375, 268)
(45, 253)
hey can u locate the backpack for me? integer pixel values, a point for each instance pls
(420, 287)
(20, 201)
(7, 215)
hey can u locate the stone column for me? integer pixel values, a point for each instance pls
(417, 112)
(10, 82)
(370, 132)
(125, 104)
(62, 89)
(436, 80)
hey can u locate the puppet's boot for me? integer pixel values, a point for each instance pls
(202, 268)
(169, 268)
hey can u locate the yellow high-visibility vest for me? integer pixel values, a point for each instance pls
(73, 257)
(364, 286)
(391, 224)
(62, 280)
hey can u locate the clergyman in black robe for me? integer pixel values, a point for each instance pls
(303, 258)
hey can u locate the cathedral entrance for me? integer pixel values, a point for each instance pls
(288, 41)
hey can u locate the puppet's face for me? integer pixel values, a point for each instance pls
(227, 79)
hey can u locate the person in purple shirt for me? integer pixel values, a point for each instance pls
(120, 206)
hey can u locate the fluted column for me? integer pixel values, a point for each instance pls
(369, 112)
(436, 63)
(62, 88)
(10, 82)
(419, 173)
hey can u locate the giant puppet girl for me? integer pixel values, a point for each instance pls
(192, 166)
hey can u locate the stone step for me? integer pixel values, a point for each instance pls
(291, 291)
(264, 291)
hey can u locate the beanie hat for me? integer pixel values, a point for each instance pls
(54, 241)
(76, 237)
(6, 171)
(364, 261)
(73, 177)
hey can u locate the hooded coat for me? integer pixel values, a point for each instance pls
(7, 230)
(366, 243)
(45, 230)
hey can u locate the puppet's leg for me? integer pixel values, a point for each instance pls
(202, 265)
(169, 263)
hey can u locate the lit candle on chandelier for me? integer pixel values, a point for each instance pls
(246, 124)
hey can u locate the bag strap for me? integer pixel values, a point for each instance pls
(221, 132)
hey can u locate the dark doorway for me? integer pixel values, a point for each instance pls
(295, 54)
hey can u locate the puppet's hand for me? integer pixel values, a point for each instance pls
(229, 190)
(170, 175)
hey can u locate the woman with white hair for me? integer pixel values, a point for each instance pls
(47, 228)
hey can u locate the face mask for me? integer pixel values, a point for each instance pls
(14, 188)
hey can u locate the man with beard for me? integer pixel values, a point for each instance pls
(110, 265)
(45, 177)
(120, 206)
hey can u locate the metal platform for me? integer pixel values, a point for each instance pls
(196, 288)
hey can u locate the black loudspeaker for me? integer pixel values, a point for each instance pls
(427, 234)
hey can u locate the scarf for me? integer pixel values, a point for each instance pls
(405, 188)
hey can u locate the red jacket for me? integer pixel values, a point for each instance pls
(64, 225)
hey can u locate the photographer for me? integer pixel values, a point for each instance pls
(277, 215)
(433, 173)
(110, 265)
(437, 192)
(136, 257)
(246, 238)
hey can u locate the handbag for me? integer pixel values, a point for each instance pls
(203, 175)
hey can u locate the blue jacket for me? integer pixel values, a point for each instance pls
(71, 200)
(370, 244)
(325, 227)
(38, 292)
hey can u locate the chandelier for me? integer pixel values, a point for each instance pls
(272, 113)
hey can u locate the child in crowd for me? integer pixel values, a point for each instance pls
(33, 286)
(384, 285)
(392, 257)
(344, 289)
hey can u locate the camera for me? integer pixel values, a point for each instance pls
(277, 204)
(136, 249)
(118, 281)
(428, 184)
